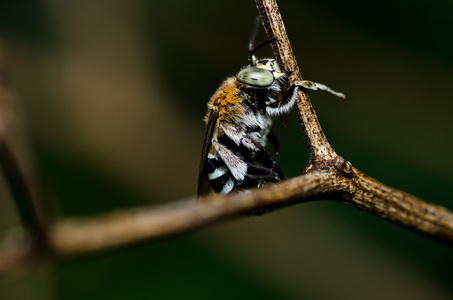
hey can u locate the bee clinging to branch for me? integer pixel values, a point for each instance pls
(234, 155)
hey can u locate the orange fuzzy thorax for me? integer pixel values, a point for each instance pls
(228, 101)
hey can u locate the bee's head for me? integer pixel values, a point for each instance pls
(259, 73)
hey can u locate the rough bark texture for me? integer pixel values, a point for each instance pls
(356, 188)
(318, 146)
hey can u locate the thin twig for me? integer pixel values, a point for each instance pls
(131, 226)
(356, 188)
(368, 194)
(318, 146)
(25, 199)
(29, 240)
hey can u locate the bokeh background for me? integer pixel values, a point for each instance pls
(104, 101)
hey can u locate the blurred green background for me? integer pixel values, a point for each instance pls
(104, 99)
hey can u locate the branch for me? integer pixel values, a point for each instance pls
(399, 207)
(318, 146)
(80, 236)
(120, 228)
(131, 226)
(356, 189)
(327, 176)
(26, 201)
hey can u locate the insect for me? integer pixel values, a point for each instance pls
(234, 155)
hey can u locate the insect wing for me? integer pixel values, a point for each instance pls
(203, 182)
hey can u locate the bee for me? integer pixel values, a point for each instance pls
(234, 155)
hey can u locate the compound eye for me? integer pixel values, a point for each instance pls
(256, 77)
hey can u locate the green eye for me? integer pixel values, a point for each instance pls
(256, 77)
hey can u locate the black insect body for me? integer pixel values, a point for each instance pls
(234, 155)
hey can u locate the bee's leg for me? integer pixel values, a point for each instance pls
(257, 176)
(283, 120)
(264, 158)
(260, 174)
(273, 139)
(311, 85)
(283, 106)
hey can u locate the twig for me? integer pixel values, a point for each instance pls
(131, 226)
(356, 189)
(318, 146)
(33, 242)
(25, 199)
(31, 239)
(399, 207)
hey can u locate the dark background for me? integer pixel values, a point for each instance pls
(105, 101)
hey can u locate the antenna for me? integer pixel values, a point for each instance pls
(253, 33)
(252, 49)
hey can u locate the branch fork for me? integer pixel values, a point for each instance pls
(351, 186)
